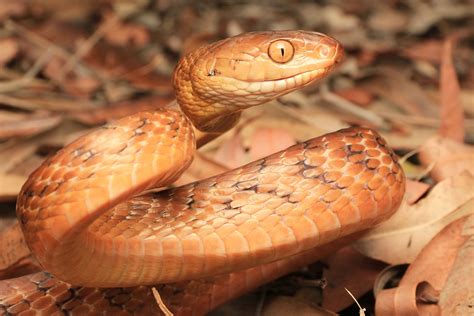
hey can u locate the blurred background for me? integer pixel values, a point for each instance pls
(69, 66)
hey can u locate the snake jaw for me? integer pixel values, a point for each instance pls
(236, 73)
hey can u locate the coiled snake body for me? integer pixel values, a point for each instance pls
(85, 218)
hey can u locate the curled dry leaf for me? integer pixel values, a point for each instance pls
(446, 157)
(419, 290)
(401, 238)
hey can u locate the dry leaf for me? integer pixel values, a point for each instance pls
(457, 295)
(401, 238)
(446, 157)
(360, 280)
(418, 291)
(452, 113)
(415, 190)
(284, 305)
(356, 95)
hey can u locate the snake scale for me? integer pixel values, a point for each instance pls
(94, 217)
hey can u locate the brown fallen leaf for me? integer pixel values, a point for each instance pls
(446, 157)
(285, 305)
(360, 280)
(457, 295)
(418, 291)
(415, 190)
(401, 238)
(451, 111)
(356, 95)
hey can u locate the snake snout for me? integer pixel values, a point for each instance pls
(339, 53)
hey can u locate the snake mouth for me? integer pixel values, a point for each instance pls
(287, 84)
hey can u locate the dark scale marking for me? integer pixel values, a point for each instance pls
(78, 151)
(30, 193)
(380, 141)
(43, 190)
(23, 219)
(143, 122)
(323, 178)
(72, 296)
(109, 127)
(136, 132)
(350, 152)
(88, 155)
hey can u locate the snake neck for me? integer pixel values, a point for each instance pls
(206, 115)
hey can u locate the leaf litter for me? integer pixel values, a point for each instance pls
(67, 67)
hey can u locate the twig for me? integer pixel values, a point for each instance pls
(361, 310)
(160, 302)
(44, 43)
(86, 46)
(261, 302)
(28, 77)
(51, 104)
(350, 107)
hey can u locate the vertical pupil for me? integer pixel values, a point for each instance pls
(282, 51)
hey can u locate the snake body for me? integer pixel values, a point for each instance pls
(91, 216)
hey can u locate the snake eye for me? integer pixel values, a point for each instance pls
(323, 51)
(281, 51)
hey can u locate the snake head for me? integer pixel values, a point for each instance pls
(250, 69)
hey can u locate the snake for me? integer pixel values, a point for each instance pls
(96, 218)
